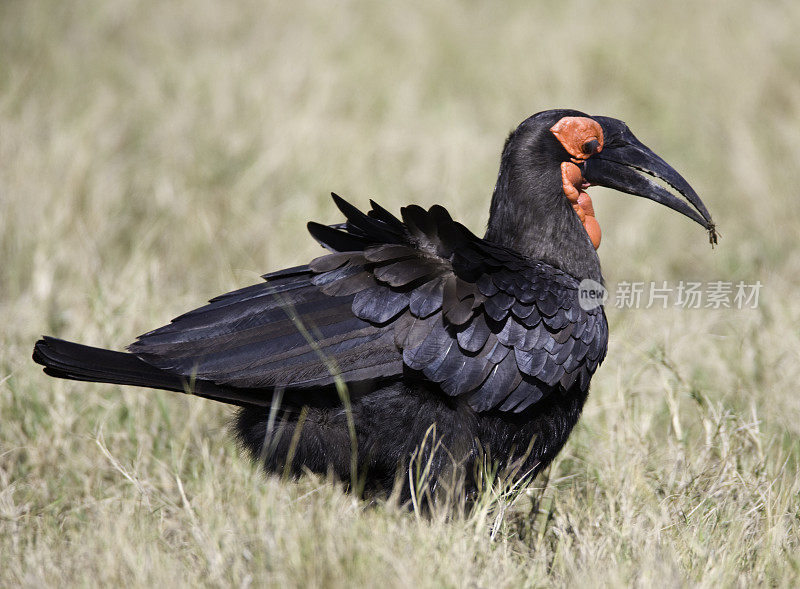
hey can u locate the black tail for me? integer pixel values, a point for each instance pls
(72, 361)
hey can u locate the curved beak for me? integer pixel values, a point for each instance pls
(616, 167)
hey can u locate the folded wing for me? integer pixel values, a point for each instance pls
(420, 297)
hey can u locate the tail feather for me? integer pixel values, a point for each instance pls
(73, 361)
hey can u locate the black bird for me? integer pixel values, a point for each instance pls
(414, 337)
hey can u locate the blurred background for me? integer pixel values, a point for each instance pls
(156, 154)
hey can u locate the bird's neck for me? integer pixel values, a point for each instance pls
(531, 215)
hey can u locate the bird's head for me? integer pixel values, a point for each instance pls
(549, 162)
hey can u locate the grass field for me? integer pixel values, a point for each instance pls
(155, 154)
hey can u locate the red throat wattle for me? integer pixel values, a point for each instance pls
(573, 181)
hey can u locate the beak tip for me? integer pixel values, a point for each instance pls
(713, 235)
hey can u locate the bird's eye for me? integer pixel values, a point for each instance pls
(590, 147)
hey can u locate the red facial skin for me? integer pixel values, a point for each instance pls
(582, 137)
(575, 132)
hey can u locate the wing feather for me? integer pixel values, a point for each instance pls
(418, 292)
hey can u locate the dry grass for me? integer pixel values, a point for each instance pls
(154, 154)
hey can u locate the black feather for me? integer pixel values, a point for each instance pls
(384, 253)
(402, 272)
(336, 239)
(474, 336)
(427, 298)
(503, 378)
(379, 305)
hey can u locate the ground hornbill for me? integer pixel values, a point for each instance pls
(414, 339)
